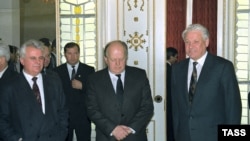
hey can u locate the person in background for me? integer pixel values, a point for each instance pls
(205, 90)
(6, 73)
(14, 63)
(52, 61)
(120, 111)
(32, 107)
(172, 57)
(53, 53)
(47, 58)
(74, 76)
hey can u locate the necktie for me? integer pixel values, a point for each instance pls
(36, 91)
(193, 82)
(119, 88)
(73, 73)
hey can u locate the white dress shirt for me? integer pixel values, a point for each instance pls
(40, 85)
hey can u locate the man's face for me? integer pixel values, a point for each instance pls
(3, 63)
(116, 59)
(46, 53)
(32, 61)
(195, 45)
(173, 59)
(72, 55)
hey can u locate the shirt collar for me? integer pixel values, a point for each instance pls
(200, 60)
(70, 66)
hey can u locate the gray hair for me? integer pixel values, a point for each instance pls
(31, 43)
(5, 51)
(197, 27)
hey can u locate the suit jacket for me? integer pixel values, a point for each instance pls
(170, 134)
(21, 115)
(7, 75)
(52, 63)
(216, 100)
(76, 98)
(104, 109)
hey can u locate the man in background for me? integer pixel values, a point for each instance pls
(14, 63)
(172, 57)
(74, 76)
(6, 72)
(52, 61)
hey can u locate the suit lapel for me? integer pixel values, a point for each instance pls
(204, 76)
(65, 71)
(46, 94)
(109, 86)
(184, 76)
(31, 107)
(79, 72)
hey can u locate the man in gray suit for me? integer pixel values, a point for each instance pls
(119, 118)
(213, 100)
(32, 105)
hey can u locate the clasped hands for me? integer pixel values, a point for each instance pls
(121, 132)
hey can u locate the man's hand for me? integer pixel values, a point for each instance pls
(76, 84)
(121, 132)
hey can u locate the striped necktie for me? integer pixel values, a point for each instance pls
(193, 82)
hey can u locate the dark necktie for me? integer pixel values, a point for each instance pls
(193, 82)
(36, 91)
(73, 73)
(119, 88)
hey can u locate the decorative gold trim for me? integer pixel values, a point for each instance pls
(141, 8)
(136, 62)
(135, 5)
(136, 41)
(136, 19)
(129, 6)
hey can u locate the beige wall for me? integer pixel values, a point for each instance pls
(29, 19)
(37, 20)
(9, 22)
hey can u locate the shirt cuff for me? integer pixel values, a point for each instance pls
(133, 131)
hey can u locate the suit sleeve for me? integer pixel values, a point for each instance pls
(146, 109)
(6, 129)
(232, 95)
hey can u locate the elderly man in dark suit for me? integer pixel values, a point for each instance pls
(6, 73)
(120, 111)
(205, 91)
(32, 106)
(74, 75)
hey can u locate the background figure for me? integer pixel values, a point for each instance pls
(33, 109)
(75, 90)
(6, 72)
(47, 58)
(14, 63)
(53, 53)
(48, 43)
(172, 56)
(119, 116)
(46, 70)
(213, 100)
